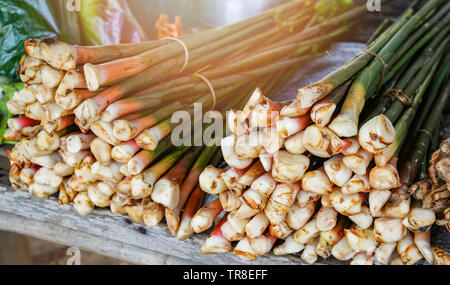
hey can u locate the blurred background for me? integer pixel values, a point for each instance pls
(118, 21)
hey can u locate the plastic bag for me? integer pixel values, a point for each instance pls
(20, 20)
(67, 21)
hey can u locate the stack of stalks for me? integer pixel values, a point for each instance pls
(309, 173)
(95, 123)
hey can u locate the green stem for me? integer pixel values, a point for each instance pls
(405, 78)
(194, 173)
(338, 94)
(317, 29)
(161, 167)
(372, 73)
(378, 104)
(432, 26)
(397, 63)
(406, 119)
(269, 56)
(168, 60)
(217, 158)
(165, 145)
(425, 110)
(179, 171)
(424, 164)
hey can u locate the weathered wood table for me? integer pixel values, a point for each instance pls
(118, 237)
